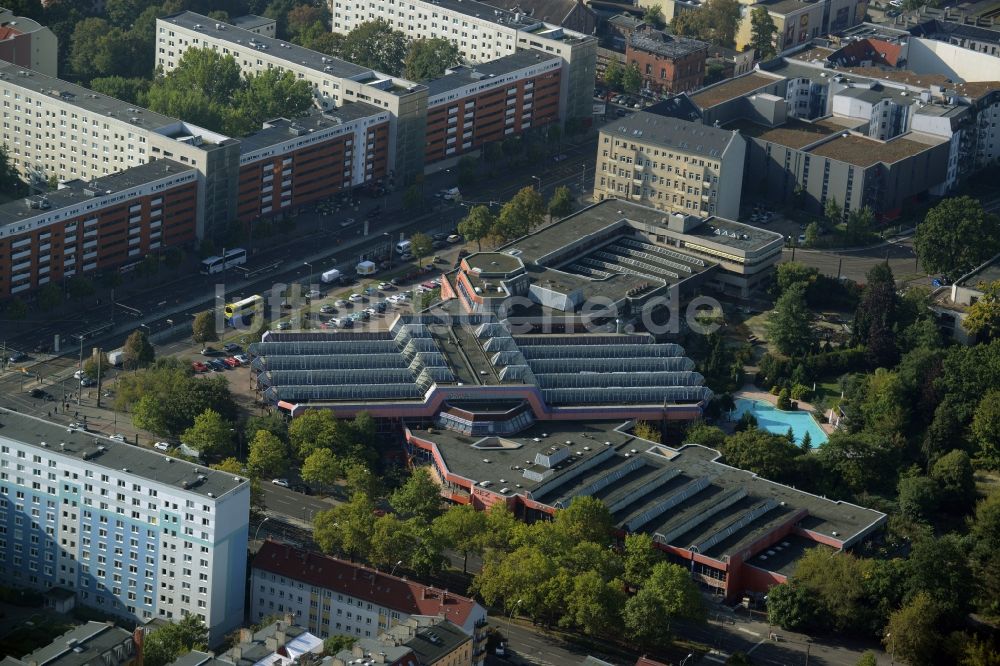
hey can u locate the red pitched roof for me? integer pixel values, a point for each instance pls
(646, 661)
(362, 582)
(878, 51)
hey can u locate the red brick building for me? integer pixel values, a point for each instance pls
(488, 102)
(294, 162)
(667, 63)
(112, 222)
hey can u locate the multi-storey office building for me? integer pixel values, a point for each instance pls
(474, 105)
(129, 531)
(331, 597)
(671, 164)
(335, 82)
(86, 226)
(483, 33)
(292, 162)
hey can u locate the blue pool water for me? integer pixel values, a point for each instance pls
(774, 420)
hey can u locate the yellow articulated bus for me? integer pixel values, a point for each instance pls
(241, 312)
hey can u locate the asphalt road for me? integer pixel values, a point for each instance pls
(855, 264)
(285, 502)
(318, 239)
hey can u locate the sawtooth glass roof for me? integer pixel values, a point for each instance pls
(420, 353)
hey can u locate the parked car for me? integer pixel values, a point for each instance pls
(231, 347)
(87, 381)
(341, 303)
(328, 309)
(281, 482)
(380, 306)
(209, 351)
(284, 325)
(198, 366)
(348, 221)
(313, 293)
(386, 286)
(79, 374)
(356, 298)
(162, 446)
(118, 437)
(219, 365)
(439, 236)
(454, 238)
(231, 362)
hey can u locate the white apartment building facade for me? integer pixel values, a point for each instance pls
(330, 597)
(129, 531)
(334, 81)
(483, 33)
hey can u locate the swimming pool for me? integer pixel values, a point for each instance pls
(772, 419)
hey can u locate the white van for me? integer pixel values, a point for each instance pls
(331, 275)
(403, 246)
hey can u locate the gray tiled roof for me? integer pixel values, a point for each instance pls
(649, 128)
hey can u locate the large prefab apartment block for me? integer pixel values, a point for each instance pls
(130, 532)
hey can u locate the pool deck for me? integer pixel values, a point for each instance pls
(753, 392)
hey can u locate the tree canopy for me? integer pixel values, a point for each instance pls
(716, 21)
(762, 32)
(429, 58)
(375, 44)
(983, 317)
(788, 323)
(477, 225)
(207, 89)
(137, 352)
(956, 236)
(174, 639)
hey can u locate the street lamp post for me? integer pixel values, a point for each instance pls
(510, 619)
(257, 533)
(539, 180)
(388, 247)
(394, 567)
(306, 263)
(685, 660)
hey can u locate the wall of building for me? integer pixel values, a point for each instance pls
(670, 179)
(473, 118)
(729, 189)
(672, 75)
(404, 100)
(950, 60)
(148, 560)
(107, 232)
(312, 167)
(29, 44)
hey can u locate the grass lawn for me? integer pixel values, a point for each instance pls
(827, 393)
